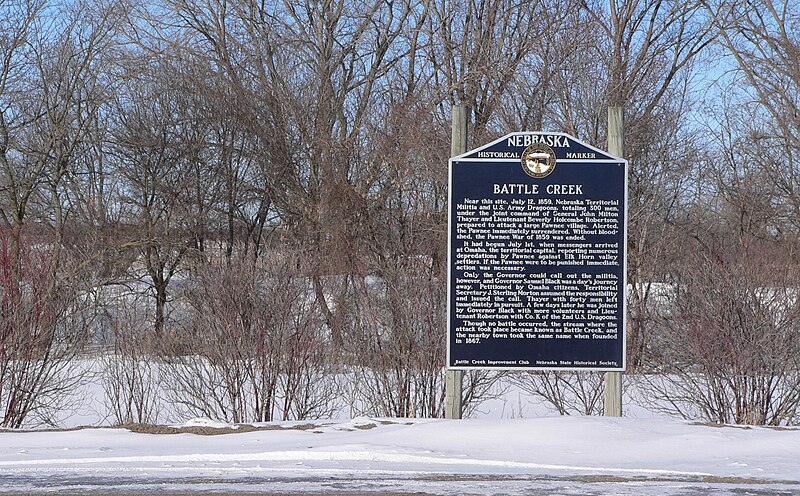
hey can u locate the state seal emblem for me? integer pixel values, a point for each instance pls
(538, 160)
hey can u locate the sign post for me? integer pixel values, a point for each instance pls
(612, 393)
(537, 226)
(454, 379)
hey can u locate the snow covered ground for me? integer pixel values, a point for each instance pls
(542, 456)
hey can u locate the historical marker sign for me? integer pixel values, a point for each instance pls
(537, 256)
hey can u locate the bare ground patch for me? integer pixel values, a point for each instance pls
(212, 431)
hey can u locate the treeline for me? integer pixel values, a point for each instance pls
(252, 195)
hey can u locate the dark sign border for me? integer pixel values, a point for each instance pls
(508, 150)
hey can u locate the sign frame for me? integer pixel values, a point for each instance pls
(510, 149)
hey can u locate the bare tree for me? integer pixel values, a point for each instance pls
(19, 180)
(481, 51)
(252, 349)
(399, 343)
(764, 45)
(156, 147)
(308, 107)
(728, 345)
(578, 393)
(44, 324)
(131, 377)
(52, 85)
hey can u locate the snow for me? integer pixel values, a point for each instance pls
(546, 455)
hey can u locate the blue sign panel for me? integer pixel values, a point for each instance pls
(537, 256)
